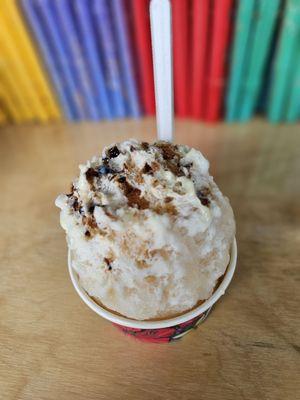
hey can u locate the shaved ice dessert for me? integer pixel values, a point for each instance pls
(148, 230)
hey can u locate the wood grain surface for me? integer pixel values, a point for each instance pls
(53, 347)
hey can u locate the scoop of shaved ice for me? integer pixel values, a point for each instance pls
(148, 229)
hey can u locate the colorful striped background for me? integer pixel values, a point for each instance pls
(91, 60)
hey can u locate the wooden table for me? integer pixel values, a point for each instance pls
(54, 347)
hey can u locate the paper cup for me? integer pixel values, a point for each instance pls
(166, 330)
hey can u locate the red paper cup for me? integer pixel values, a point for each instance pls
(161, 331)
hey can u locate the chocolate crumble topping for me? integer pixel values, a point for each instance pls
(171, 157)
(122, 179)
(90, 221)
(203, 196)
(90, 174)
(168, 150)
(113, 152)
(154, 166)
(108, 263)
(147, 169)
(175, 169)
(167, 156)
(145, 146)
(141, 264)
(91, 208)
(166, 209)
(139, 178)
(205, 202)
(204, 192)
(134, 196)
(75, 204)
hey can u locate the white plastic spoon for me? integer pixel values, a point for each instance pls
(160, 17)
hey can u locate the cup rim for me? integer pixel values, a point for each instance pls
(132, 323)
